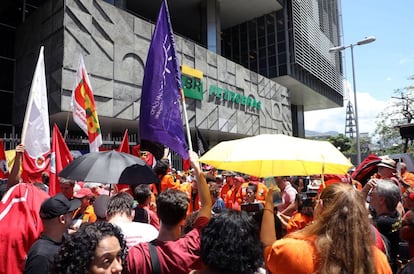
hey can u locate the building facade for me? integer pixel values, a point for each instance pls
(246, 71)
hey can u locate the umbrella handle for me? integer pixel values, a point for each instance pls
(323, 177)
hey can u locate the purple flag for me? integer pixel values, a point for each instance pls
(160, 116)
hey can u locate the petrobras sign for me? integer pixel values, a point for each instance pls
(237, 98)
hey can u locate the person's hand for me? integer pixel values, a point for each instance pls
(193, 159)
(369, 186)
(19, 148)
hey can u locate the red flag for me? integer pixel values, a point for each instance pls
(36, 131)
(60, 158)
(20, 225)
(84, 108)
(186, 165)
(136, 150)
(144, 155)
(4, 170)
(124, 147)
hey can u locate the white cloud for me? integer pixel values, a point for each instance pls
(388, 79)
(407, 59)
(334, 119)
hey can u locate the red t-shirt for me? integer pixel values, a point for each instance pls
(20, 225)
(180, 256)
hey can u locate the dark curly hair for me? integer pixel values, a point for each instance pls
(78, 250)
(230, 243)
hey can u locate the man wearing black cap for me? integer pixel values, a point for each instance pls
(56, 213)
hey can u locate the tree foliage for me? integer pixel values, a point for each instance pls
(399, 111)
(342, 142)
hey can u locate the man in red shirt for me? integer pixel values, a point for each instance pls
(175, 255)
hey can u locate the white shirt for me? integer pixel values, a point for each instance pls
(288, 197)
(135, 232)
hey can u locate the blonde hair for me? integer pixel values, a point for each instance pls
(344, 239)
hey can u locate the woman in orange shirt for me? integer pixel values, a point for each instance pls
(162, 168)
(338, 241)
(303, 215)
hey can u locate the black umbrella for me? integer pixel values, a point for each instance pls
(110, 167)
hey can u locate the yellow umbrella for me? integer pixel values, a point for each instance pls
(277, 155)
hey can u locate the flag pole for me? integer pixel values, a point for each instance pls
(187, 126)
(66, 127)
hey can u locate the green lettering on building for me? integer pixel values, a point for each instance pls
(231, 96)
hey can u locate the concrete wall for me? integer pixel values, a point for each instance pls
(114, 45)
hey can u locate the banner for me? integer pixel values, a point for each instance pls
(84, 108)
(201, 145)
(36, 131)
(160, 116)
(60, 158)
(124, 147)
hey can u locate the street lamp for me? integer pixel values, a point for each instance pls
(367, 40)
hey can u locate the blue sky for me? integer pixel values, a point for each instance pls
(380, 67)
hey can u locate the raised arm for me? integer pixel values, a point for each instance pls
(267, 231)
(203, 189)
(14, 176)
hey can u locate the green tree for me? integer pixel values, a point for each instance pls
(342, 142)
(400, 111)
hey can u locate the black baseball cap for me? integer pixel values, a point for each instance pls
(58, 205)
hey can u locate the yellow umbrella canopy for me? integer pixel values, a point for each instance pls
(277, 155)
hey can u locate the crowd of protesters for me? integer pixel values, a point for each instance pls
(205, 221)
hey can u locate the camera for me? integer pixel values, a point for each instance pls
(250, 207)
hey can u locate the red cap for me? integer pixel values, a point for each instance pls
(239, 179)
(83, 192)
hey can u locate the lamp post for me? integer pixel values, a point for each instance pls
(367, 40)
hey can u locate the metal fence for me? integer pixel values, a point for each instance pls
(81, 144)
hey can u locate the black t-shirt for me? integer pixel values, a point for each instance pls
(41, 255)
(389, 226)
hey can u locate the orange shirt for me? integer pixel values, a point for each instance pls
(260, 194)
(168, 181)
(298, 256)
(233, 198)
(408, 177)
(298, 221)
(223, 191)
(194, 203)
(89, 215)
